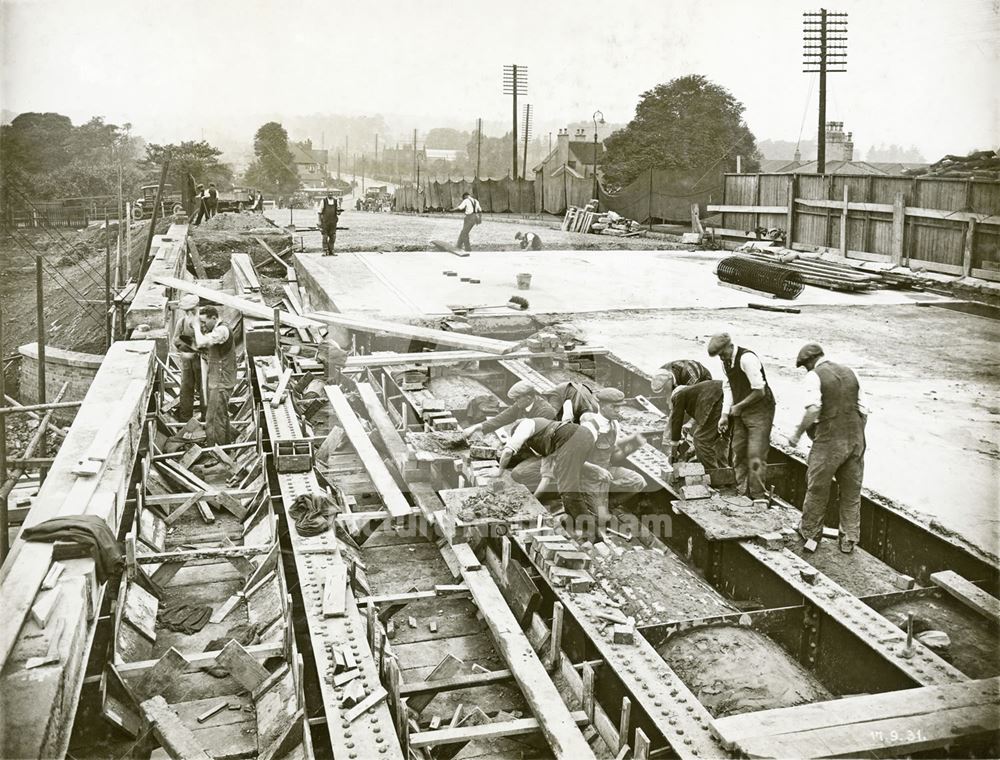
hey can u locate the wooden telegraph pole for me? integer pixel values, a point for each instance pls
(515, 82)
(824, 51)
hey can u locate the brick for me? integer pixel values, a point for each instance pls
(697, 480)
(774, 541)
(695, 492)
(904, 582)
(623, 634)
(572, 559)
(809, 576)
(687, 469)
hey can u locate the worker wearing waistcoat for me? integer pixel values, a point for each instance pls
(217, 341)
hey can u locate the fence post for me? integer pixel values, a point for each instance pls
(970, 234)
(790, 216)
(649, 202)
(843, 220)
(898, 229)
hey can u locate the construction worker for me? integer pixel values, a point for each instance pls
(678, 373)
(610, 450)
(329, 215)
(529, 241)
(573, 399)
(525, 402)
(211, 200)
(747, 407)
(217, 341)
(188, 358)
(835, 417)
(334, 359)
(201, 209)
(566, 444)
(702, 402)
(473, 215)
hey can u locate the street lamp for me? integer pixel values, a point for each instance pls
(598, 119)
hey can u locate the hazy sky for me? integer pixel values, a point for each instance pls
(921, 72)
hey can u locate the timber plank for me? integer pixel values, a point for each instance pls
(176, 738)
(515, 727)
(553, 716)
(968, 594)
(248, 308)
(394, 500)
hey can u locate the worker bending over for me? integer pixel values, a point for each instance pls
(567, 446)
(678, 373)
(702, 402)
(525, 402)
(218, 343)
(835, 417)
(529, 241)
(748, 408)
(188, 359)
(573, 399)
(606, 472)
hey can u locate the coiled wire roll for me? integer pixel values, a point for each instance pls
(760, 275)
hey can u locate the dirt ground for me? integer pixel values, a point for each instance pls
(367, 231)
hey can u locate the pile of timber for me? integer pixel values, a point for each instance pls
(980, 164)
(589, 219)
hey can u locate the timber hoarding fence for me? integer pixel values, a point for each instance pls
(657, 194)
(951, 226)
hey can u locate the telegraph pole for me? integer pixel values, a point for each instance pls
(824, 51)
(479, 143)
(515, 82)
(527, 135)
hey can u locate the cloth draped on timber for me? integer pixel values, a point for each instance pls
(183, 618)
(89, 531)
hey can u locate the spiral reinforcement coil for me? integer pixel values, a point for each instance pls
(760, 275)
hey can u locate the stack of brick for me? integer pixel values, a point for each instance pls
(560, 558)
(693, 481)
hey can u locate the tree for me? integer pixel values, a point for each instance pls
(447, 139)
(189, 159)
(273, 169)
(896, 154)
(689, 123)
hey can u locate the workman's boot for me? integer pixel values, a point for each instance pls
(846, 545)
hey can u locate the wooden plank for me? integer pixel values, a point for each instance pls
(176, 738)
(199, 267)
(444, 671)
(223, 610)
(968, 593)
(848, 710)
(385, 484)
(334, 591)
(386, 430)
(242, 305)
(413, 332)
(373, 699)
(279, 391)
(436, 686)
(242, 666)
(555, 720)
(970, 236)
(391, 358)
(897, 250)
(892, 737)
(749, 209)
(486, 731)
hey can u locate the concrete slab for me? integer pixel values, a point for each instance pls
(413, 284)
(932, 378)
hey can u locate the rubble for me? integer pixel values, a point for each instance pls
(239, 222)
(589, 219)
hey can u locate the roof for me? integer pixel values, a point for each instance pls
(778, 165)
(301, 155)
(445, 154)
(584, 151)
(568, 169)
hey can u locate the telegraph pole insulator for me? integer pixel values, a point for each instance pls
(822, 53)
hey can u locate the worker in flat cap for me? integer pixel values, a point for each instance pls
(702, 402)
(748, 410)
(605, 472)
(834, 418)
(678, 373)
(188, 358)
(525, 402)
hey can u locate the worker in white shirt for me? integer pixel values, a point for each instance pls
(216, 339)
(834, 418)
(473, 215)
(187, 358)
(748, 408)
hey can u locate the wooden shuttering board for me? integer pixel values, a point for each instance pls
(554, 718)
(392, 358)
(968, 593)
(242, 305)
(922, 667)
(393, 498)
(893, 723)
(652, 685)
(414, 332)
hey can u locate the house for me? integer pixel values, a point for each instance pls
(443, 154)
(839, 159)
(310, 164)
(576, 157)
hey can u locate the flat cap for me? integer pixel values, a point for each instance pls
(519, 389)
(610, 396)
(189, 301)
(718, 342)
(661, 380)
(807, 352)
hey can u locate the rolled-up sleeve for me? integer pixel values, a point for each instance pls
(813, 395)
(727, 394)
(524, 430)
(752, 368)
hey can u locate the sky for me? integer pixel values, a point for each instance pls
(920, 72)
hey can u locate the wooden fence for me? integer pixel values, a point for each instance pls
(76, 213)
(943, 225)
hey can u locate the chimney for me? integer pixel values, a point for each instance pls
(848, 147)
(798, 156)
(562, 146)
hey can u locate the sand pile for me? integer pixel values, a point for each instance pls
(238, 222)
